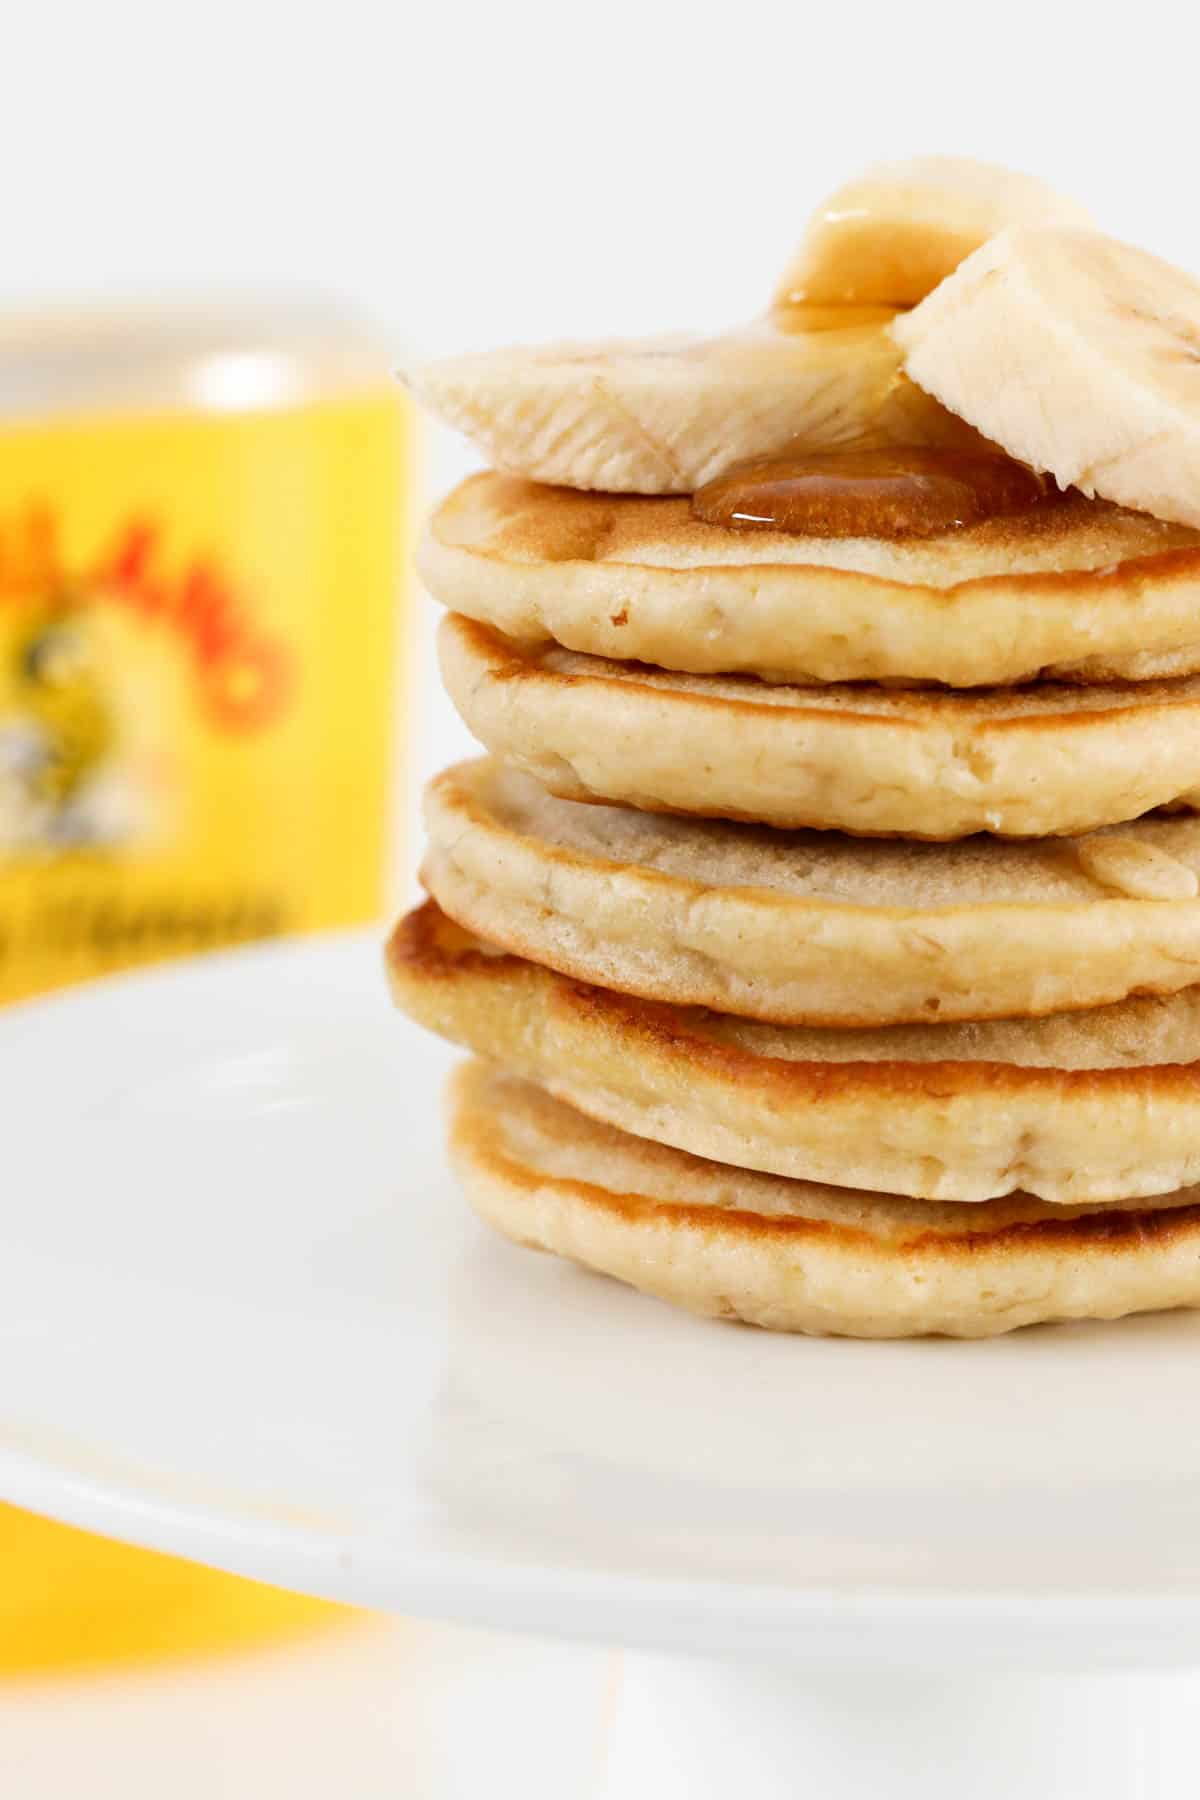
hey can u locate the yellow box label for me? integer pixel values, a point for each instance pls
(197, 680)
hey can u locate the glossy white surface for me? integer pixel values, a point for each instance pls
(245, 1316)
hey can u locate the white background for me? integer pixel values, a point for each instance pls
(480, 172)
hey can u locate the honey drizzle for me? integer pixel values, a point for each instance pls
(894, 492)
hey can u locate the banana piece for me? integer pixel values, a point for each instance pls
(1077, 354)
(665, 415)
(890, 236)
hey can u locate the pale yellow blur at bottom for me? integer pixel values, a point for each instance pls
(71, 1602)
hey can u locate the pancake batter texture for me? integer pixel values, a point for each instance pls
(825, 915)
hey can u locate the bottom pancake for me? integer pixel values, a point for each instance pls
(797, 1256)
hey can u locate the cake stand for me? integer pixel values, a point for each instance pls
(247, 1318)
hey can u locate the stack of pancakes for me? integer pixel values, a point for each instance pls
(827, 912)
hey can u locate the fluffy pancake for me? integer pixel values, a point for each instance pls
(1080, 590)
(796, 1256)
(921, 763)
(1078, 1108)
(814, 927)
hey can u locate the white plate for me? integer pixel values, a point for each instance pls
(245, 1316)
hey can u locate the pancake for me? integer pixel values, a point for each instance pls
(921, 763)
(796, 1256)
(814, 927)
(1077, 1109)
(1079, 590)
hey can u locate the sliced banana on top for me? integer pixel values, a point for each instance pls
(665, 415)
(1077, 354)
(891, 235)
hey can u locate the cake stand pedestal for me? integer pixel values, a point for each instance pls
(691, 1730)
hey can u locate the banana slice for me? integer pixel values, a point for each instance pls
(890, 236)
(1078, 355)
(665, 415)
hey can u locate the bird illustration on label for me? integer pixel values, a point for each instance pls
(69, 721)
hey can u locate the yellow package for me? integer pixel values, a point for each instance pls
(201, 534)
(71, 1602)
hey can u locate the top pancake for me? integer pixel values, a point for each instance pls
(1080, 590)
